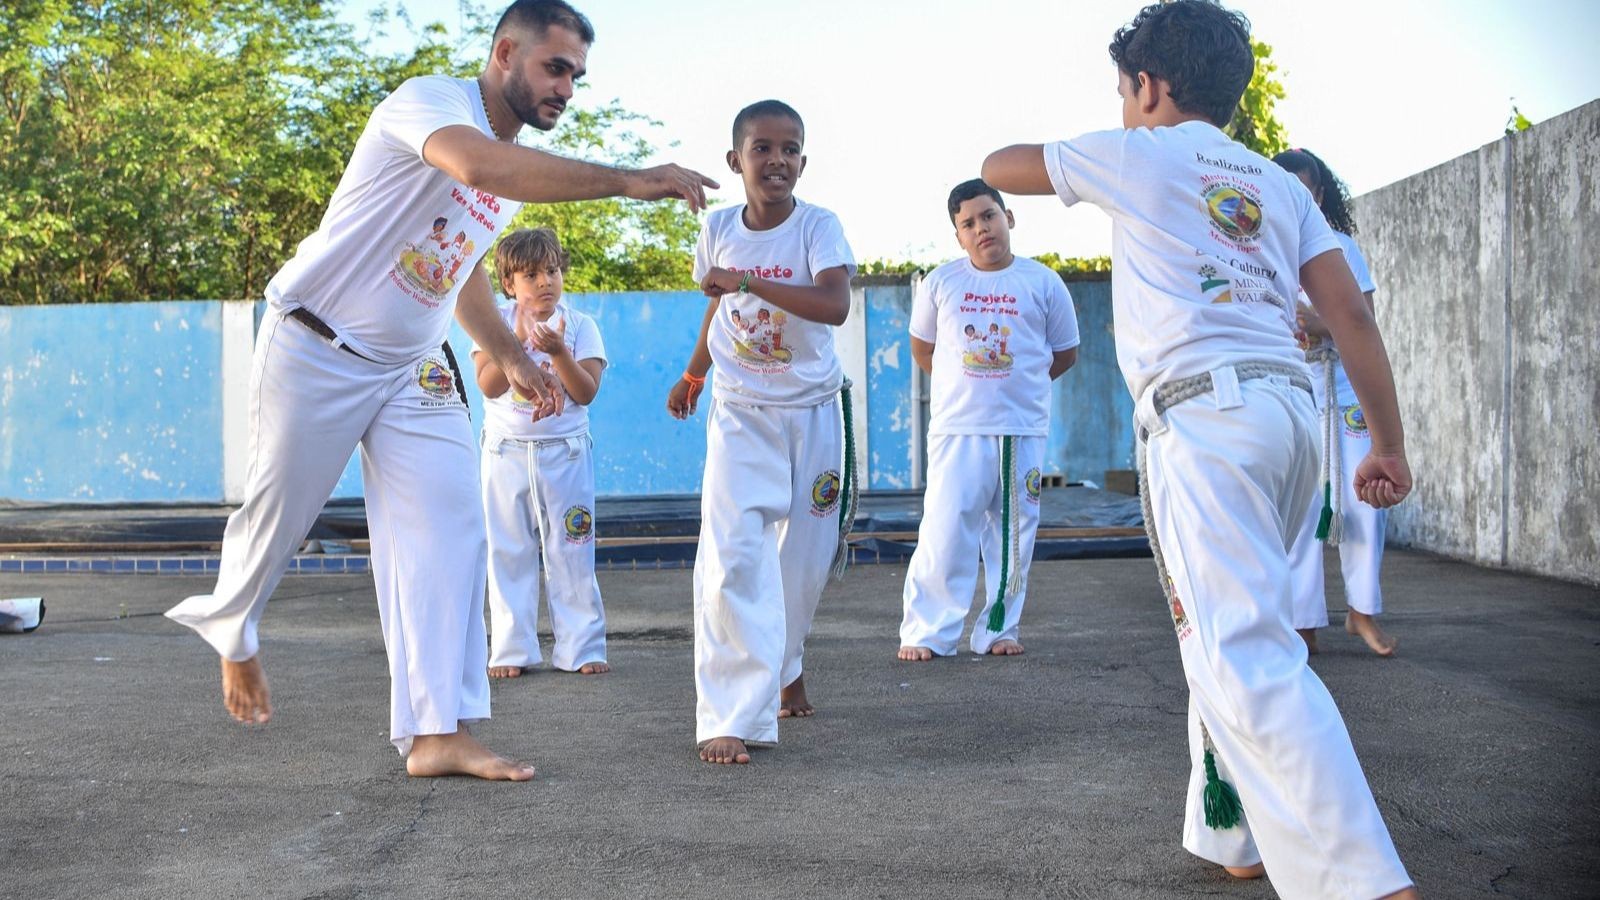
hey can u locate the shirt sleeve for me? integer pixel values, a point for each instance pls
(826, 246)
(418, 108)
(924, 311)
(1088, 168)
(1060, 317)
(1358, 264)
(703, 262)
(587, 343)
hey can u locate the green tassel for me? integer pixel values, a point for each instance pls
(1223, 808)
(1326, 519)
(997, 612)
(997, 615)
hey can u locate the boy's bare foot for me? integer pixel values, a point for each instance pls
(593, 668)
(792, 700)
(435, 755)
(725, 750)
(1006, 647)
(1247, 872)
(1366, 627)
(244, 691)
(506, 671)
(915, 654)
(1309, 635)
(1409, 893)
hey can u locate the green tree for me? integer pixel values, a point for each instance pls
(1255, 123)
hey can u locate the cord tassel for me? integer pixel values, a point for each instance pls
(1008, 490)
(849, 492)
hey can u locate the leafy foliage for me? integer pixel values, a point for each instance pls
(1255, 123)
(1517, 121)
(1091, 268)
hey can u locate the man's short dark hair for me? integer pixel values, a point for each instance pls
(762, 109)
(539, 15)
(1200, 49)
(967, 190)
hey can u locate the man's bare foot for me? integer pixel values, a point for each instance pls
(436, 755)
(1409, 893)
(916, 654)
(593, 668)
(725, 750)
(244, 691)
(506, 671)
(1006, 647)
(1247, 872)
(1309, 635)
(792, 700)
(1366, 627)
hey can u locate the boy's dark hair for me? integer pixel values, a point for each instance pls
(761, 109)
(1335, 196)
(539, 15)
(966, 190)
(1200, 49)
(528, 250)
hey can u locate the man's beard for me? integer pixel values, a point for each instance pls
(525, 106)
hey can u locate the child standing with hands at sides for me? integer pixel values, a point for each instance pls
(775, 506)
(991, 415)
(1341, 519)
(1211, 245)
(538, 476)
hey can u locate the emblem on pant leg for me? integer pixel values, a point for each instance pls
(825, 493)
(579, 522)
(1031, 485)
(1355, 424)
(1180, 619)
(436, 381)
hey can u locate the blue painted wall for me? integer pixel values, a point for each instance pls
(889, 401)
(1091, 412)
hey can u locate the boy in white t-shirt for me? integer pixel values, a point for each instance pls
(776, 504)
(1211, 244)
(993, 330)
(538, 475)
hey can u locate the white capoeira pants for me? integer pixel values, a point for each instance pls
(1361, 544)
(963, 514)
(311, 404)
(769, 525)
(1230, 475)
(541, 492)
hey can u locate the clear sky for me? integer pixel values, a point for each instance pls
(904, 98)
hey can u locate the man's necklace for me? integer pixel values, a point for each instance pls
(483, 98)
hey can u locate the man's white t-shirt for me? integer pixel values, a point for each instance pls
(1207, 245)
(764, 355)
(400, 237)
(994, 336)
(511, 415)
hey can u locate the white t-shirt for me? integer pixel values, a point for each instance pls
(764, 355)
(1207, 245)
(511, 415)
(399, 237)
(994, 335)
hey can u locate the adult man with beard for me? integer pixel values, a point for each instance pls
(352, 352)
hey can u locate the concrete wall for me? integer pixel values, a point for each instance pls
(1488, 284)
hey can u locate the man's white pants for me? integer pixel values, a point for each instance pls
(541, 492)
(963, 514)
(769, 525)
(1230, 476)
(1361, 544)
(311, 404)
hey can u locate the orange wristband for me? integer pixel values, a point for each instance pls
(694, 381)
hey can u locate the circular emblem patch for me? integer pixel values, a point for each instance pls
(434, 377)
(579, 522)
(1355, 424)
(825, 493)
(1031, 483)
(1233, 211)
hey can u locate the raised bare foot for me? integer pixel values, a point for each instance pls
(244, 691)
(1409, 893)
(1005, 647)
(1247, 872)
(792, 700)
(725, 750)
(506, 671)
(435, 755)
(916, 654)
(1366, 627)
(1309, 635)
(593, 668)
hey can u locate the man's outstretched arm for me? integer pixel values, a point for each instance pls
(1018, 169)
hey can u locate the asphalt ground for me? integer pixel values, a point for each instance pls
(1056, 774)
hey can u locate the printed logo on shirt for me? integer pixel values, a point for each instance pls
(1032, 484)
(437, 382)
(1180, 619)
(825, 493)
(987, 353)
(1210, 285)
(1355, 424)
(427, 269)
(758, 342)
(1235, 208)
(579, 522)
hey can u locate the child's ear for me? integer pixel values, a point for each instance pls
(1011, 220)
(802, 166)
(733, 162)
(1150, 90)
